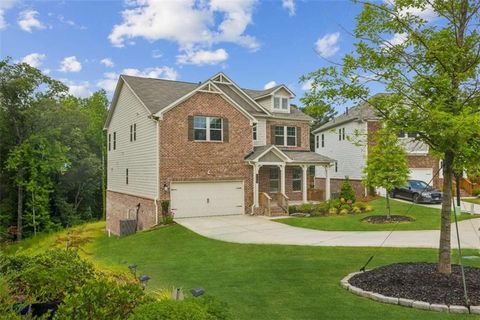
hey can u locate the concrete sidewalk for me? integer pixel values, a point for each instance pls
(467, 207)
(260, 230)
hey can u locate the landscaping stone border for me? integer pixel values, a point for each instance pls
(422, 305)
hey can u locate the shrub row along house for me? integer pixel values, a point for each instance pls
(210, 148)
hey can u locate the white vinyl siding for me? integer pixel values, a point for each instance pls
(350, 158)
(138, 157)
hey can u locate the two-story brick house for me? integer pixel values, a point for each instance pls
(210, 148)
(360, 122)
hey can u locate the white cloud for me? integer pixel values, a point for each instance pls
(107, 62)
(202, 57)
(110, 79)
(78, 89)
(4, 6)
(398, 38)
(307, 85)
(427, 12)
(27, 20)
(70, 64)
(326, 46)
(289, 5)
(269, 85)
(186, 22)
(34, 59)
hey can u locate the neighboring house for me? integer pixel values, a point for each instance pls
(332, 140)
(210, 148)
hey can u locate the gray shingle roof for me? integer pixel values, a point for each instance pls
(306, 156)
(157, 94)
(360, 112)
(296, 156)
(259, 93)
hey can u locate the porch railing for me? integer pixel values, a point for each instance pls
(466, 185)
(265, 204)
(282, 201)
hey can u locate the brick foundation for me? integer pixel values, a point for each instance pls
(123, 206)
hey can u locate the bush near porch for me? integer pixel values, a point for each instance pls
(425, 218)
(331, 208)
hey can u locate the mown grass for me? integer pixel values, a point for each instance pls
(472, 200)
(425, 219)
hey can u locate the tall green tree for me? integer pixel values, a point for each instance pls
(21, 87)
(386, 165)
(426, 55)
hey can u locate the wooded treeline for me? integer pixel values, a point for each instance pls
(52, 151)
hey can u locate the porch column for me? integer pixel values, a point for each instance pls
(256, 169)
(304, 182)
(282, 178)
(327, 183)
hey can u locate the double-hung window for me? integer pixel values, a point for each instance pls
(280, 103)
(133, 132)
(254, 131)
(286, 136)
(273, 180)
(316, 141)
(114, 140)
(109, 141)
(297, 179)
(207, 128)
(323, 140)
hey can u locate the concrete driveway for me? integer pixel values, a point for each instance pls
(260, 230)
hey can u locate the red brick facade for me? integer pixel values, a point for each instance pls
(336, 185)
(304, 131)
(123, 206)
(184, 160)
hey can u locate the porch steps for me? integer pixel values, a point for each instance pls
(277, 211)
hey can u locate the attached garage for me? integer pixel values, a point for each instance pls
(422, 174)
(202, 199)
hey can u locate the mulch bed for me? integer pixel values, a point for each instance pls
(422, 282)
(384, 219)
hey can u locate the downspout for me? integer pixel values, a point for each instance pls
(157, 165)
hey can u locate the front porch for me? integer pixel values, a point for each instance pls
(280, 177)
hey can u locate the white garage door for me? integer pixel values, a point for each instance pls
(422, 174)
(201, 199)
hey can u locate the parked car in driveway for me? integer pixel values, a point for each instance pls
(417, 191)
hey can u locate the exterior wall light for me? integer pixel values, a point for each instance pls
(165, 188)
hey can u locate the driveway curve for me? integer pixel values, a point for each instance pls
(260, 230)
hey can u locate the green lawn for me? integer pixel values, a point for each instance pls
(263, 281)
(257, 281)
(425, 219)
(476, 201)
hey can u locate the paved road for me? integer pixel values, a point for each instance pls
(260, 230)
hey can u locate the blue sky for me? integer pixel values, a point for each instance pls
(87, 44)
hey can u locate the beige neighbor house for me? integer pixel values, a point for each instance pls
(332, 140)
(211, 148)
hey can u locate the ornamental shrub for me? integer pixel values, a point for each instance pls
(346, 191)
(48, 276)
(476, 192)
(101, 299)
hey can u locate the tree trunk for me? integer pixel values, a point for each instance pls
(19, 212)
(444, 252)
(389, 213)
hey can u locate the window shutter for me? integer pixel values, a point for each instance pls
(272, 135)
(225, 129)
(191, 131)
(299, 137)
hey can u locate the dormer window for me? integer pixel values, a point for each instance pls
(280, 103)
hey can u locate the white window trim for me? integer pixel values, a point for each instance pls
(280, 109)
(207, 119)
(285, 137)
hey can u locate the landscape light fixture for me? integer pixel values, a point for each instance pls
(197, 292)
(143, 280)
(133, 269)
